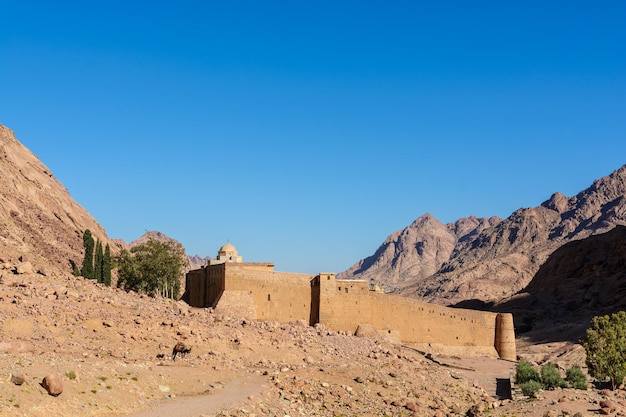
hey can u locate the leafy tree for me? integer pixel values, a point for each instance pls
(576, 377)
(551, 377)
(99, 262)
(605, 345)
(88, 243)
(525, 372)
(106, 266)
(153, 267)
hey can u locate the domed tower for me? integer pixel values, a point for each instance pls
(227, 253)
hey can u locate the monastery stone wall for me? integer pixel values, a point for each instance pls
(277, 296)
(345, 305)
(257, 292)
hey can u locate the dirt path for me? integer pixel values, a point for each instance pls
(234, 392)
(493, 375)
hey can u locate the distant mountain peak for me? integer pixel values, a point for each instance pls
(486, 258)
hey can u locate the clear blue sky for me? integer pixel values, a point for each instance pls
(305, 132)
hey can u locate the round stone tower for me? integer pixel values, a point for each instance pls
(505, 337)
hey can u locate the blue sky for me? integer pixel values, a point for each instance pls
(306, 132)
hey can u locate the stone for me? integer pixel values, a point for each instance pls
(412, 406)
(52, 384)
(24, 268)
(474, 411)
(608, 404)
(18, 379)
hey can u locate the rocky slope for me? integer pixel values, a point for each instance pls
(39, 220)
(111, 352)
(496, 258)
(580, 280)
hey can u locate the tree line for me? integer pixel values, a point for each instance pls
(97, 263)
(154, 267)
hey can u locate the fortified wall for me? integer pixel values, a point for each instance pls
(256, 291)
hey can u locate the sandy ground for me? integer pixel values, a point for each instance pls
(224, 396)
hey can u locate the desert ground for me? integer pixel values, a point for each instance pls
(112, 352)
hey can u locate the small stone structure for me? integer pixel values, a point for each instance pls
(254, 290)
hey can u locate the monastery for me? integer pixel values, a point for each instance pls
(255, 291)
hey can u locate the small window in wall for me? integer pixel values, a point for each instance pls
(339, 288)
(346, 290)
(269, 297)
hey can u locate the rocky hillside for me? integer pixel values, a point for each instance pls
(495, 258)
(39, 221)
(110, 353)
(417, 251)
(194, 262)
(582, 279)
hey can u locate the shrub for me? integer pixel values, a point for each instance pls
(551, 377)
(525, 372)
(605, 345)
(576, 377)
(530, 388)
(71, 375)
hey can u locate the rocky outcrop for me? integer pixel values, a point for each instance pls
(491, 258)
(38, 217)
(415, 252)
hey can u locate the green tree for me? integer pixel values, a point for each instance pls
(153, 267)
(98, 262)
(87, 269)
(551, 377)
(605, 345)
(106, 266)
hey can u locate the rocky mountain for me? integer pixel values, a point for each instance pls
(40, 222)
(490, 258)
(581, 279)
(195, 261)
(417, 251)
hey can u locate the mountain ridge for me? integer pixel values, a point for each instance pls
(40, 222)
(494, 258)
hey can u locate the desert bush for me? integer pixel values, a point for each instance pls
(525, 372)
(530, 388)
(576, 377)
(551, 377)
(605, 345)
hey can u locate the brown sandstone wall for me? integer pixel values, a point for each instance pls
(346, 304)
(258, 292)
(278, 296)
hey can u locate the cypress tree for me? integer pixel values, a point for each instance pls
(106, 266)
(88, 243)
(99, 263)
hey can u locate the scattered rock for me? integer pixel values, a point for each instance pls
(24, 268)
(52, 384)
(18, 379)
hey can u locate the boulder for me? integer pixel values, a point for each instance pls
(18, 379)
(52, 384)
(24, 268)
